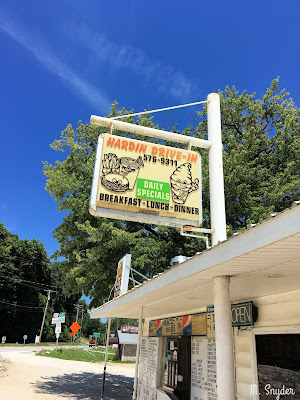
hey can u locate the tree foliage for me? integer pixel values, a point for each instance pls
(26, 274)
(261, 170)
(261, 153)
(93, 246)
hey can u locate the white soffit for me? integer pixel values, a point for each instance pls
(272, 248)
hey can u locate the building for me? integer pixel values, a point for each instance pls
(256, 276)
(127, 345)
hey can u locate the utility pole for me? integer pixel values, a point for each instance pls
(78, 307)
(49, 292)
(82, 311)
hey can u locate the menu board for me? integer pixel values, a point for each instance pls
(152, 328)
(145, 393)
(148, 362)
(203, 369)
(172, 327)
(210, 322)
(199, 324)
(186, 325)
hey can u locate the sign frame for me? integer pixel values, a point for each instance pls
(122, 278)
(253, 313)
(136, 216)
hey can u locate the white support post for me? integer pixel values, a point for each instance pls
(106, 356)
(140, 334)
(224, 339)
(216, 179)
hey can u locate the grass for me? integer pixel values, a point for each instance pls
(75, 355)
(88, 355)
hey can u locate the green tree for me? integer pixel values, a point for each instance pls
(61, 301)
(261, 169)
(93, 246)
(261, 155)
(24, 277)
(26, 274)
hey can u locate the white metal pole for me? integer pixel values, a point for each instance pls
(216, 179)
(224, 338)
(106, 356)
(145, 131)
(137, 359)
(40, 337)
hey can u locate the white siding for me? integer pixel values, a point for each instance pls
(282, 310)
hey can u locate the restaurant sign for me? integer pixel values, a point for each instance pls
(147, 182)
(122, 278)
(129, 329)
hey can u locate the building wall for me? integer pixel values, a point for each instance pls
(128, 352)
(276, 314)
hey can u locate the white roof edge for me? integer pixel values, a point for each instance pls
(281, 226)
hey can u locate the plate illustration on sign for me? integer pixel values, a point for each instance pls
(120, 174)
(182, 183)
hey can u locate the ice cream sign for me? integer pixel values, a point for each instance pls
(147, 182)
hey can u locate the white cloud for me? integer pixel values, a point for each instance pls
(163, 77)
(93, 95)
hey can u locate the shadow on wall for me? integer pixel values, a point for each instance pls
(86, 386)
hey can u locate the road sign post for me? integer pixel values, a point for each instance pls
(75, 328)
(58, 319)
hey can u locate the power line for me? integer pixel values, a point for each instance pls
(42, 285)
(17, 305)
(24, 310)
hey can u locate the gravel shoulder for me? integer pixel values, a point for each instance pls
(31, 377)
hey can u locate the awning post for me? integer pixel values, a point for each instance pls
(224, 338)
(140, 334)
(106, 356)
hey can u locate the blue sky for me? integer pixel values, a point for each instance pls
(62, 61)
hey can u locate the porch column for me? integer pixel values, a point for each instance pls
(140, 334)
(224, 339)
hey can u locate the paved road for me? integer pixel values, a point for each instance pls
(24, 349)
(30, 377)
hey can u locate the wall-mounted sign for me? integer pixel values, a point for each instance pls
(199, 324)
(149, 355)
(122, 278)
(146, 182)
(202, 324)
(243, 314)
(186, 325)
(172, 327)
(203, 369)
(145, 393)
(210, 322)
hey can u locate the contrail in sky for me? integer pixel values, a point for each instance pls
(164, 78)
(93, 95)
